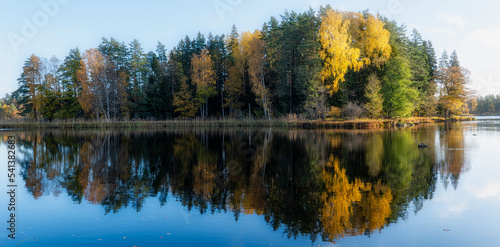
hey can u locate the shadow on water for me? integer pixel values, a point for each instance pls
(327, 184)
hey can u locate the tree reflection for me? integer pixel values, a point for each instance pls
(451, 142)
(327, 184)
(352, 208)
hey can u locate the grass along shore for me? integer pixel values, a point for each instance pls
(227, 123)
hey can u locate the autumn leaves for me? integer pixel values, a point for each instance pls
(349, 42)
(203, 76)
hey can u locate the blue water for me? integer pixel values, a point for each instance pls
(457, 205)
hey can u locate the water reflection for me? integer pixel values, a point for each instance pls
(451, 165)
(352, 208)
(323, 184)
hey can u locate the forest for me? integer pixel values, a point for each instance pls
(485, 105)
(314, 65)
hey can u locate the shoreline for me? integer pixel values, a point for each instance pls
(278, 123)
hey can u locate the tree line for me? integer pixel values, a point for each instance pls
(485, 105)
(314, 64)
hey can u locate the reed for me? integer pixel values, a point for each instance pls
(80, 124)
(133, 124)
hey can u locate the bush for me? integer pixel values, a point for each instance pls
(335, 112)
(352, 111)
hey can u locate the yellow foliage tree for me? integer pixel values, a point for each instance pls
(375, 47)
(453, 89)
(203, 76)
(7, 111)
(351, 41)
(338, 53)
(253, 47)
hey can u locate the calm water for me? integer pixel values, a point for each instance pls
(262, 187)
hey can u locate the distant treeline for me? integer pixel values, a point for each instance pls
(485, 105)
(314, 64)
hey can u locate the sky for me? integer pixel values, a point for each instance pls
(52, 27)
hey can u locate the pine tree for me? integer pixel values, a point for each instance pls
(217, 49)
(374, 96)
(50, 92)
(444, 61)
(292, 60)
(158, 95)
(399, 95)
(452, 80)
(161, 52)
(454, 60)
(184, 103)
(72, 87)
(29, 88)
(138, 79)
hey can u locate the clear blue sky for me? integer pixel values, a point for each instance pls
(471, 28)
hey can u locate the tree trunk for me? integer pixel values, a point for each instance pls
(290, 83)
(222, 101)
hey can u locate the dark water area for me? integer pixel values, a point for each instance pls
(263, 187)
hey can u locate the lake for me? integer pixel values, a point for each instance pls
(259, 187)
